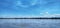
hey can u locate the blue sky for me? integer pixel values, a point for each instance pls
(29, 7)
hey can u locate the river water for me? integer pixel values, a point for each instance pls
(29, 23)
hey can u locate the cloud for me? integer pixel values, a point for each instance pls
(34, 2)
(19, 3)
(46, 14)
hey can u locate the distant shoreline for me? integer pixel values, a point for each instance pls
(34, 18)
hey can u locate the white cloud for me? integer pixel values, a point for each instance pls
(18, 3)
(34, 2)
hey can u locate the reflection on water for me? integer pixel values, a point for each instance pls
(29, 23)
